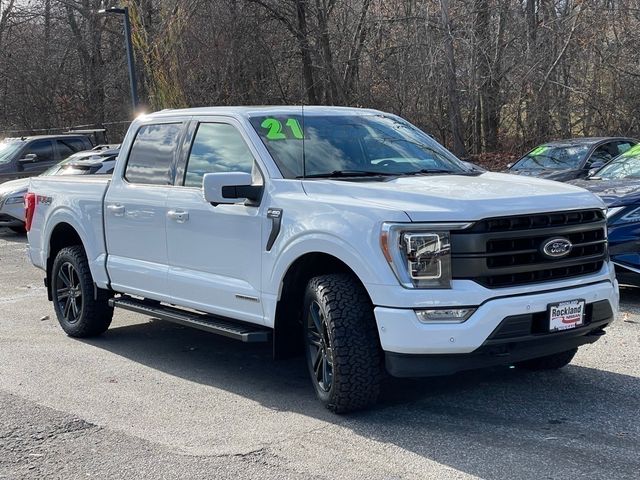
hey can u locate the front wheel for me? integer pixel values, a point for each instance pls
(342, 347)
(550, 362)
(81, 310)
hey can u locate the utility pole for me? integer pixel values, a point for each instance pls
(127, 40)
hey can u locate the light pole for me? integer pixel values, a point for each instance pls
(127, 40)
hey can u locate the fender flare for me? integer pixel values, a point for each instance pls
(93, 246)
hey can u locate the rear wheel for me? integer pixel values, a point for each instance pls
(550, 362)
(81, 310)
(342, 348)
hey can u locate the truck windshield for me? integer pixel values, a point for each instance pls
(7, 149)
(351, 145)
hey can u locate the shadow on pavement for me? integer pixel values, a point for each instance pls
(630, 296)
(9, 235)
(500, 423)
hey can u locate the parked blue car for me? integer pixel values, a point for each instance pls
(618, 184)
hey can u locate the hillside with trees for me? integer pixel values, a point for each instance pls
(480, 75)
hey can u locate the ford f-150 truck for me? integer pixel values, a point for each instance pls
(347, 234)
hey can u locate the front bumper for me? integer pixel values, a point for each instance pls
(402, 334)
(504, 351)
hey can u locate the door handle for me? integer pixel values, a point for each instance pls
(116, 209)
(179, 216)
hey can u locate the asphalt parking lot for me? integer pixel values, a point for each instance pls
(150, 399)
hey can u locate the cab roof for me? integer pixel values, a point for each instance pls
(44, 137)
(248, 111)
(584, 141)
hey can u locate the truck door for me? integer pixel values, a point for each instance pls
(135, 213)
(215, 252)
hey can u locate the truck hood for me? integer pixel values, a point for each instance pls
(457, 197)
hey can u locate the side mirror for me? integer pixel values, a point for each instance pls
(230, 187)
(473, 166)
(29, 158)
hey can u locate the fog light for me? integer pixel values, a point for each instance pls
(449, 315)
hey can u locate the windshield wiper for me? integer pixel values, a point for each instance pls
(349, 173)
(427, 171)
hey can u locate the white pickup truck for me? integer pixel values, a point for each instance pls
(346, 234)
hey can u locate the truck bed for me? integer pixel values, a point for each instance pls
(78, 202)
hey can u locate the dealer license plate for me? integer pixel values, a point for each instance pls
(566, 315)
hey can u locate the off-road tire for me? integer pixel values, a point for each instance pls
(350, 330)
(93, 312)
(550, 362)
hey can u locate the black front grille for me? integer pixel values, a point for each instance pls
(526, 251)
(537, 276)
(542, 220)
(496, 254)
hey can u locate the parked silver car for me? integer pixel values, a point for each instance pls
(12, 193)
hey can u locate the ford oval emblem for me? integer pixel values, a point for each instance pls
(557, 247)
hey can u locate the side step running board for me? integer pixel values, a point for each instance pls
(244, 332)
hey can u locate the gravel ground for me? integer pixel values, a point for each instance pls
(150, 399)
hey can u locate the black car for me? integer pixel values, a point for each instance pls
(565, 160)
(618, 184)
(29, 156)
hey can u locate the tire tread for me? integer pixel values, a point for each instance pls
(96, 313)
(357, 356)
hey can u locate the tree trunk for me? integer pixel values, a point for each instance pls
(455, 117)
(302, 36)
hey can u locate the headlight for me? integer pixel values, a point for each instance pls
(419, 255)
(14, 200)
(629, 215)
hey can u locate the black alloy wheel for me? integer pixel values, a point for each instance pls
(69, 293)
(81, 307)
(319, 346)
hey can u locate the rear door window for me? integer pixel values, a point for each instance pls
(42, 148)
(151, 156)
(69, 146)
(64, 149)
(78, 144)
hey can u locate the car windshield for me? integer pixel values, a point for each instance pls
(625, 165)
(565, 157)
(7, 150)
(351, 145)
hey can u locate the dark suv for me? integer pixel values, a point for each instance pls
(28, 156)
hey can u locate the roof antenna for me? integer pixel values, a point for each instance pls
(304, 160)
